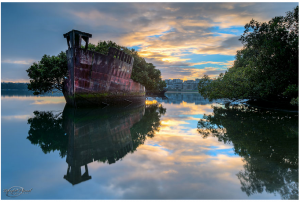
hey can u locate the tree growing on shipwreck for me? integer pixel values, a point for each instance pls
(48, 74)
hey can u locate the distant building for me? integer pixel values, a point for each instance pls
(177, 98)
(177, 81)
(178, 84)
(168, 81)
(197, 80)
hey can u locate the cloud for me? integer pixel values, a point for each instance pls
(190, 73)
(23, 62)
(167, 33)
(15, 80)
(211, 62)
(172, 9)
(14, 72)
(22, 117)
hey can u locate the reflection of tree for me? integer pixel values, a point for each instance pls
(268, 142)
(47, 132)
(104, 135)
(148, 125)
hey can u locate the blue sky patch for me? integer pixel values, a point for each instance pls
(137, 48)
(194, 58)
(235, 30)
(216, 152)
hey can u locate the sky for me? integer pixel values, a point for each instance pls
(183, 40)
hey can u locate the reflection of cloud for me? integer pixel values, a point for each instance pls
(172, 122)
(177, 163)
(191, 108)
(173, 164)
(49, 100)
(45, 102)
(37, 100)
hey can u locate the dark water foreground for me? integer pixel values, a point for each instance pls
(177, 148)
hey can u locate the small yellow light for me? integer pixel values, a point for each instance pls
(150, 102)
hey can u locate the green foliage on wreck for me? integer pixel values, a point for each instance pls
(142, 72)
(48, 74)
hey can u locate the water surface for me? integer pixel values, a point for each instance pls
(178, 147)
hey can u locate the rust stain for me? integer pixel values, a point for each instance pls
(90, 72)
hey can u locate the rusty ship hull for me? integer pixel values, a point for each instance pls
(96, 79)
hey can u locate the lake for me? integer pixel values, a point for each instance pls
(177, 147)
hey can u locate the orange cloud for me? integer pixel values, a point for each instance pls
(24, 62)
(168, 33)
(16, 80)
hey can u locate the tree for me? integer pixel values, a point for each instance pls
(142, 72)
(48, 74)
(103, 47)
(267, 66)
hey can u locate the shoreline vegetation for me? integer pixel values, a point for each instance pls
(173, 91)
(265, 71)
(13, 86)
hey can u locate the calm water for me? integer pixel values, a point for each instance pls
(176, 148)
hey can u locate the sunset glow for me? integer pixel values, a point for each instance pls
(183, 40)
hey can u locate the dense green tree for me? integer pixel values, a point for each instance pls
(103, 46)
(267, 66)
(146, 74)
(142, 72)
(266, 140)
(48, 74)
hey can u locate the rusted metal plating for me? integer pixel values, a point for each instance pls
(94, 78)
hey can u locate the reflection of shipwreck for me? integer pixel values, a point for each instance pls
(97, 135)
(95, 79)
(94, 134)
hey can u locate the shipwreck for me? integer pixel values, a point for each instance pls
(96, 79)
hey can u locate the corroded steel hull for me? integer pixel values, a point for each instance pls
(97, 79)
